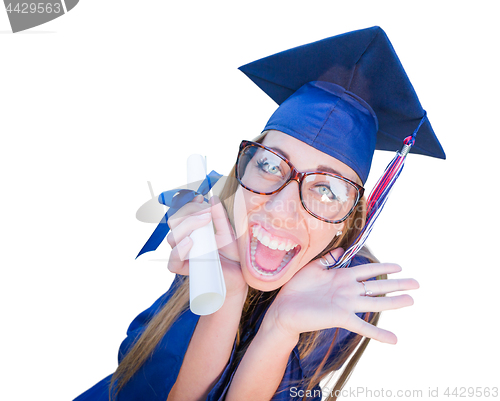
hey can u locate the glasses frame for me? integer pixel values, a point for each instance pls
(298, 176)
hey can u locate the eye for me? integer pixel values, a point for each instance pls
(272, 169)
(326, 193)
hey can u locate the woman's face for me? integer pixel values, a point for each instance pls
(265, 224)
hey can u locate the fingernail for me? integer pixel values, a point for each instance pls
(184, 241)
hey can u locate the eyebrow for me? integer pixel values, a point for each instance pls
(328, 170)
(281, 152)
(320, 167)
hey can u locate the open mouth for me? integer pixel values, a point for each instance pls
(269, 254)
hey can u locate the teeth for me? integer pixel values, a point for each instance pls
(263, 236)
(266, 239)
(273, 244)
(253, 247)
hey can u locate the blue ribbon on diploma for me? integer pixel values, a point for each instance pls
(175, 199)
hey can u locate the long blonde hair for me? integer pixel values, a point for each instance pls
(179, 302)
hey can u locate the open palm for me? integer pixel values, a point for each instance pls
(316, 299)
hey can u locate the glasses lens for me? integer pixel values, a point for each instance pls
(328, 196)
(261, 171)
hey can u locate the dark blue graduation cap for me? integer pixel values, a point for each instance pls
(346, 96)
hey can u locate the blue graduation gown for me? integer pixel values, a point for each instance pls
(157, 376)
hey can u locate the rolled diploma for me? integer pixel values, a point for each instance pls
(207, 289)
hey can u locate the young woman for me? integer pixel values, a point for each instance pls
(291, 206)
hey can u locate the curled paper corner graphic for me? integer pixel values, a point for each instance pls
(24, 14)
(70, 4)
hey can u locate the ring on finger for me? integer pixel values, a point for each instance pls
(324, 261)
(367, 292)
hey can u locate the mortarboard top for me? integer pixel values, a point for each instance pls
(346, 96)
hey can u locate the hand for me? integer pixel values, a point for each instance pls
(316, 299)
(197, 214)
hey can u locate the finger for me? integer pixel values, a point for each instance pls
(187, 226)
(365, 272)
(379, 304)
(170, 239)
(177, 262)
(379, 287)
(358, 325)
(219, 217)
(331, 258)
(335, 255)
(189, 209)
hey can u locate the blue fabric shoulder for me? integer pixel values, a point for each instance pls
(140, 323)
(156, 377)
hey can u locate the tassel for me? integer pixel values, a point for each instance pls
(378, 197)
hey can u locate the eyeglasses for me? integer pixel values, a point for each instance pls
(326, 196)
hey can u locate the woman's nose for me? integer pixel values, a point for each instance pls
(285, 205)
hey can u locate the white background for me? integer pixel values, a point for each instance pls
(114, 94)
